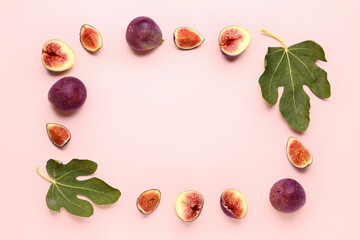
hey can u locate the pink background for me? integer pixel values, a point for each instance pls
(179, 120)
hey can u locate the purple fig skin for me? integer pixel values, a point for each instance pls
(287, 195)
(143, 34)
(67, 94)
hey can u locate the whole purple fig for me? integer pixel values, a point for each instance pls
(67, 94)
(143, 34)
(287, 195)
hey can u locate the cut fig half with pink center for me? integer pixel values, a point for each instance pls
(297, 153)
(233, 40)
(57, 56)
(148, 201)
(90, 38)
(188, 205)
(186, 38)
(233, 203)
(58, 134)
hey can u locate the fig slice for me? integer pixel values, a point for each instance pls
(233, 40)
(188, 205)
(233, 203)
(57, 56)
(90, 38)
(186, 38)
(148, 201)
(297, 153)
(58, 134)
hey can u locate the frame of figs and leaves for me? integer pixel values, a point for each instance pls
(288, 67)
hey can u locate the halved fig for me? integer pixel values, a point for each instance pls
(148, 201)
(58, 134)
(57, 56)
(233, 203)
(233, 40)
(90, 38)
(297, 153)
(186, 38)
(188, 205)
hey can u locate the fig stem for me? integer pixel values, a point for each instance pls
(276, 37)
(43, 176)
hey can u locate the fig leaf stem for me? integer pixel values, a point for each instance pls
(43, 176)
(276, 37)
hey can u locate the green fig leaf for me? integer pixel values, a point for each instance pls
(65, 188)
(292, 68)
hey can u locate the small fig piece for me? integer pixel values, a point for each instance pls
(233, 40)
(298, 154)
(90, 38)
(58, 134)
(233, 203)
(148, 201)
(67, 94)
(143, 34)
(186, 38)
(188, 205)
(57, 56)
(287, 195)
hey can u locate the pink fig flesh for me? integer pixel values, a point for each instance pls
(187, 38)
(90, 38)
(148, 201)
(188, 205)
(233, 203)
(298, 154)
(233, 40)
(59, 135)
(57, 56)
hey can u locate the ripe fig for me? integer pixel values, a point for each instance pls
(148, 201)
(187, 38)
(90, 38)
(298, 154)
(143, 34)
(58, 134)
(67, 94)
(57, 56)
(287, 195)
(233, 40)
(188, 205)
(233, 203)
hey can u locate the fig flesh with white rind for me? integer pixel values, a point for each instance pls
(59, 135)
(233, 203)
(188, 205)
(187, 38)
(287, 195)
(90, 38)
(297, 153)
(57, 56)
(143, 34)
(233, 40)
(148, 201)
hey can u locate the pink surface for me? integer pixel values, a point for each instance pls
(179, 120)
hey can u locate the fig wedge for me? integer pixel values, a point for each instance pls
(297, 153)
(59, 135)
(233, 40)
(233, 203)
(90, 38)
(57, 56)
(187, 38)
(148, 201)
(188, 205)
